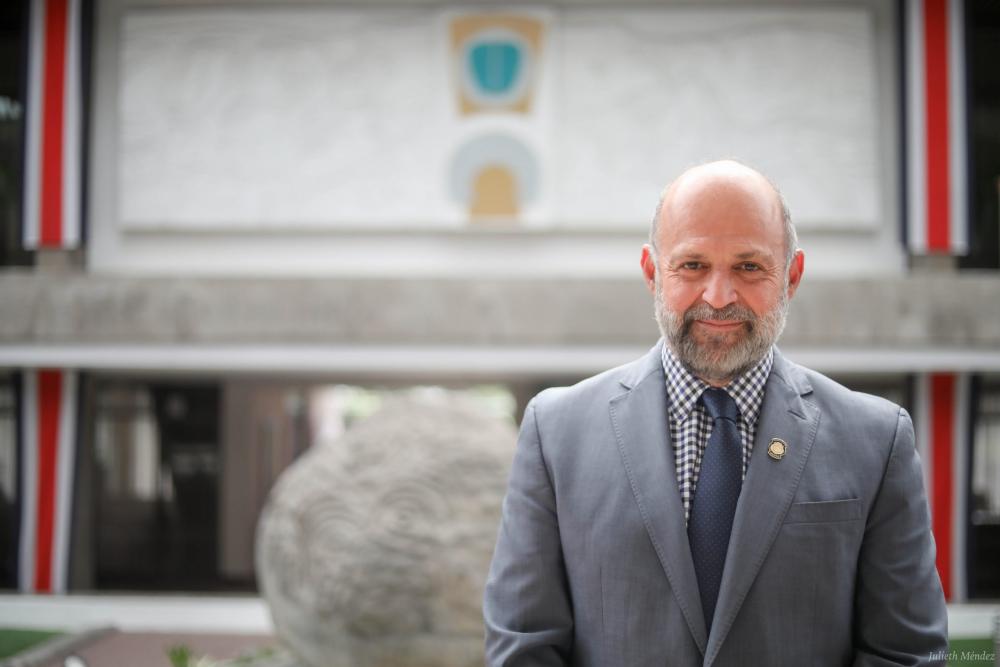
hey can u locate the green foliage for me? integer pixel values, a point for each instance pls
(180, 656)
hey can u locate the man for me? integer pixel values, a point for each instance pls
(713, 503)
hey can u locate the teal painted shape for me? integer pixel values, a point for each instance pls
(495, 66)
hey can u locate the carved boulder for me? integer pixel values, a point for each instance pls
(373, 549)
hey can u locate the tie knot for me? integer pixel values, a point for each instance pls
(719, 404)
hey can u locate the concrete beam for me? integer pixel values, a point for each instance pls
(955, 311)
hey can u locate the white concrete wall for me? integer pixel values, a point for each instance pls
(277, 139)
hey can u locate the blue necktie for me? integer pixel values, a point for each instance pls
(715, 496)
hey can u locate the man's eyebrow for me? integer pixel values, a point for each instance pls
(751, 254)
(686, 255)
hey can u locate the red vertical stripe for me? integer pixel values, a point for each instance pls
(936, 96)
(53, 110)
(942, 410)
(49, 406)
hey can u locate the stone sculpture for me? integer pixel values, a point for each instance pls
(373, 549)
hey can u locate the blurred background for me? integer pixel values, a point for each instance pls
(228, 227)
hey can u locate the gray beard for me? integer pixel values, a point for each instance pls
(716, 359)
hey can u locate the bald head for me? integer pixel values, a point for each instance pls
(718, 185)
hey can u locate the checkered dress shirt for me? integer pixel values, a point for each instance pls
(690, 425)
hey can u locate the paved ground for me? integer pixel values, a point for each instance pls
(150, 649)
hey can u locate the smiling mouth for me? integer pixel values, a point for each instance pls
(721, 325)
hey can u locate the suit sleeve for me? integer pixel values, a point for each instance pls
(900, 612)
(527, 609)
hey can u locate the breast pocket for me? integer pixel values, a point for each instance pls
(825, 511)
(814, 561)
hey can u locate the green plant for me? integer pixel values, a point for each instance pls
(180, 656)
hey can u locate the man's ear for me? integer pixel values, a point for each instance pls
(648, 263)
(795, 270)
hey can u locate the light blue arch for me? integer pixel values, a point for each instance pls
(493, 149)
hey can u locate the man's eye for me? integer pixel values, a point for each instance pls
(691, 266)
(749, 266)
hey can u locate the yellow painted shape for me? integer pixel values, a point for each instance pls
(494, 193)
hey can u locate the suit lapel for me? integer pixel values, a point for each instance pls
(767, 490)
(639, 417)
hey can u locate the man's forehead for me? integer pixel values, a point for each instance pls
(713, 247)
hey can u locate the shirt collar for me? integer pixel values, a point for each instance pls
(684, 389)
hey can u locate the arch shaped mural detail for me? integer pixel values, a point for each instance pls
(494, 176)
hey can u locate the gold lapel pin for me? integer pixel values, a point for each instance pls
(776, 450)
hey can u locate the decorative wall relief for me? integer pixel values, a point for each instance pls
(495, 66)
(316, 117)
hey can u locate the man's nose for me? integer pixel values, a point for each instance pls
(719, 291)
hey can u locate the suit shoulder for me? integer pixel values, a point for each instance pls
(855, 428)
(598, 388)
(832, 395)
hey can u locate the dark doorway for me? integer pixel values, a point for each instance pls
(9, 506)
(13, 20)
(982, 30)
(156, 490)
(984, 491)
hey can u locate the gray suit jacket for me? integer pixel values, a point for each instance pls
(831, 559)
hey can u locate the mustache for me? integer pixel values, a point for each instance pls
(733, 311)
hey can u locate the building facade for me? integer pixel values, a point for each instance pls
(224, 222)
